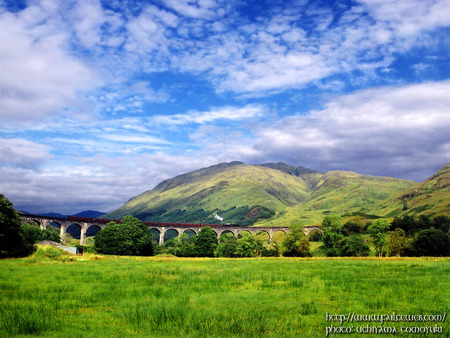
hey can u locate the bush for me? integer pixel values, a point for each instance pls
(315, 236)
(130, 237)
(295, 243)
(430, 242)
(206, 243)
(11, 241)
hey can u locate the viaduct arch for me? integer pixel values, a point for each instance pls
(162, 228)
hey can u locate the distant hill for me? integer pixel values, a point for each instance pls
(90, 214)
(431, 198)
(52, 214)
(270, 194)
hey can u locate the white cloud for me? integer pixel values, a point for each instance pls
(199, 9)
(21, 153)
(223, 113)
(373, 130)
(39, 76)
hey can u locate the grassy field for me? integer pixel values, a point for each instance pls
(58, 295)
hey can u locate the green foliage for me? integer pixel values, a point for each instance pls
(50, 234)
(378, 231)
(206, 242)
(11, 242)
(355, 246)
(332, 235)
(295, 243)
(397, 243)
(129, 237)
(337, 243)
(315, 236)
(431, 242)
(248, 246)
(181, 246)
(227, 246)
(32, 234)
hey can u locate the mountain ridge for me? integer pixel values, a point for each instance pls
(268, 194)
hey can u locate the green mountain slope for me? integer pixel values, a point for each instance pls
(431, 198)
(237, 192)
(343, 193)
(272, 194)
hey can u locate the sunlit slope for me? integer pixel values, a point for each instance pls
(343, 193)
(431, 198)
(273, 194)
(236, 192)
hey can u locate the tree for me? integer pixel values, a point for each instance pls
(333, 238)
(30, 233)
(397, 243)
(431, 242)
(130, 237)
(378, 231)
(183, 245)
(206, 242)
(11, 241)
(248, 246)
(295, 243)
(227, 246)
(356, 246)
(51, 234)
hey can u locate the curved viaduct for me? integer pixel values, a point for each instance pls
(162, 228)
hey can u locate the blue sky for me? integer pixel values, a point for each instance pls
(101, 100)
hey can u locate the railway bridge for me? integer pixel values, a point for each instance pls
(162, 228)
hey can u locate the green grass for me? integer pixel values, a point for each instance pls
(172, 297)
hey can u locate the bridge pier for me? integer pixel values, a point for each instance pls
(62, 233)
(161, 236)
(83, 234)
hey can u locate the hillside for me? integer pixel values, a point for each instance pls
(235, 192)
(431, 198)
(271, 194)
(343, 193)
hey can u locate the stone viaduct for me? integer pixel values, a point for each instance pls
(85, 223)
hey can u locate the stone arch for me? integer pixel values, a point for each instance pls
(74, 230)
(263, 235)
(92, 230)
(242, 232)
(190, 233)
(315, 235)
(35, 222)
(169, 234)
(278, 236)
(226, 232)
(156, 233)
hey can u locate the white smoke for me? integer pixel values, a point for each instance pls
(218, 217)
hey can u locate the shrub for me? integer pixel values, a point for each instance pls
(130, 237)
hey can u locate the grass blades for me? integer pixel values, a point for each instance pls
(172, 297)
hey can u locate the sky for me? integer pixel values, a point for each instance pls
(102, 100)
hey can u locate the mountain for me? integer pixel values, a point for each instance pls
(90, 214)
(52, 214)
(235, 192)
(431, 198)
(270, 194)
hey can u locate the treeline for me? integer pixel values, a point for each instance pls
(206, 244)
(17, 239)
(405, 236)
(402, 237)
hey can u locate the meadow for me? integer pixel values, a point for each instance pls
(54, 294)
